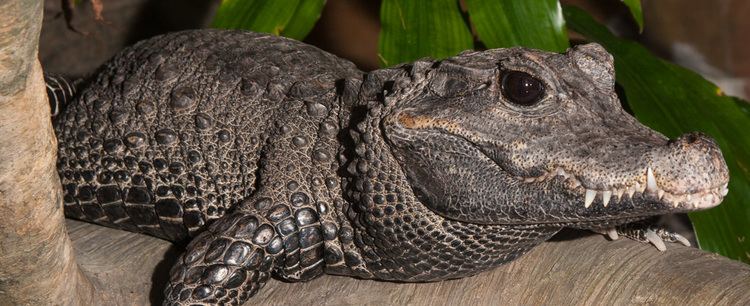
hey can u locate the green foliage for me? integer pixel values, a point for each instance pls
(635, 9)
(414, 29)
(437, 29)
(674, 101)
(290, 18)
(535, 24)
(305, 15)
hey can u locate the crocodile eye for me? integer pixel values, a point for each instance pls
(521, 88)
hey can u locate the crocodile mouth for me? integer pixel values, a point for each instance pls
(687, 173)
(644, 187)
(640, 185)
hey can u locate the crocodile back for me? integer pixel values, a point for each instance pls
(169, 136)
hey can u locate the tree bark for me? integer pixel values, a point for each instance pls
(37, 265)
(38, 261)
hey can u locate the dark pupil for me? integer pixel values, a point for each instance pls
(521, 88)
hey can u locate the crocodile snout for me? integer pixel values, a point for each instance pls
(691, 168)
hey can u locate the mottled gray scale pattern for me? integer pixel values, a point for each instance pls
(282, 159)
(395, 237)
(160, 146)
(227, 263)
(301, 157)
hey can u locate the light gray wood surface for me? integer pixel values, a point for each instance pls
(570, 271)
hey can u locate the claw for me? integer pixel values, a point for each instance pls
(654, 239)
(681, 239)
(612, 234)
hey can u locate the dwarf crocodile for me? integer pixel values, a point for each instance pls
(274, 157)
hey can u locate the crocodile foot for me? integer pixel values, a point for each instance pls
(651, 234)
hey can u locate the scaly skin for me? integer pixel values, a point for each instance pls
(279, 158)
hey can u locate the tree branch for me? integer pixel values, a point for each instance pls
(37, 264)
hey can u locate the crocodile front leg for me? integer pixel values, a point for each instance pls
(275, 231)
(282, 228)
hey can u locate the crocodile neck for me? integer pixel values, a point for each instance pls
(389, 234)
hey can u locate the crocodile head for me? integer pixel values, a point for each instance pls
(518, 136)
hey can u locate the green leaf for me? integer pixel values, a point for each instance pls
(414, 29)
(675, 100)
(535, 24)
(290, 18)
(635, 9)
(304, 18)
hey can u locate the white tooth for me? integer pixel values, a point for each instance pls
(630, 191)
(639, 188)
(724, 192)
(612, 233)
(605, 197)
(590, 194)
(574, 183)
(651, 181)
(618, 194)
(672, 199)
(660, 194)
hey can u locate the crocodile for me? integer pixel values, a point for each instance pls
(273, 157)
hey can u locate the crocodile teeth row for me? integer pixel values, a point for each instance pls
(650, 186)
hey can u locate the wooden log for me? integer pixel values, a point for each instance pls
(569, 271)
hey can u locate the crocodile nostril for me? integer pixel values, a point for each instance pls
(695, 139)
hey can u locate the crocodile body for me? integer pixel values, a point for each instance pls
(274, 157)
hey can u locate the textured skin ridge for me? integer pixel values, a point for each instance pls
(183, 137)
(395, 237)
(276, 158)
